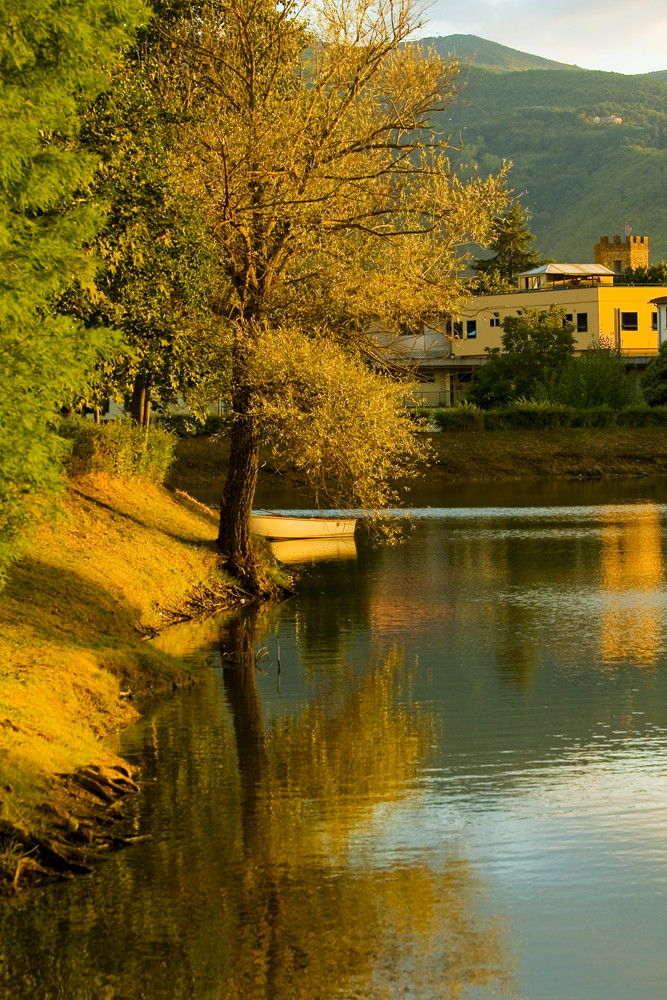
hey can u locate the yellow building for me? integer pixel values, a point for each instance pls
(621, 316)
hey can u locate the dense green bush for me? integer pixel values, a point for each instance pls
(464, 417)
(643, 416)
(596, 378)
(188, 425)
(529, 414)
(654, 379)
(595, 416)
(119, 447)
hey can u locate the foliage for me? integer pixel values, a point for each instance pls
(529, 414)
(654, 379)
(642, 416)
(51, 57)
(306, 403)
(596, 378)
(510, 242)
(329, 197)
(154, 278)
(654, 274)
(190, 425)
(119, 447)
(535, 348)
(464, 417)
(577, 175)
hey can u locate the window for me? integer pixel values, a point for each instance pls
(568, 318)
(495, 320)
(471, 328)
(582, 322)
(654, 321)
(457, 329)
(629, 321)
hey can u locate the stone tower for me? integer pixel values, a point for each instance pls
(621, 254)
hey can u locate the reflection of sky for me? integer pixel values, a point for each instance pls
(573, 853)
(549, 771)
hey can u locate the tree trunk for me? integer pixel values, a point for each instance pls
(141, 401)
(234, 538)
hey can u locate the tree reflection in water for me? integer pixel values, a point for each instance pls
(268, 875)
(315, 918)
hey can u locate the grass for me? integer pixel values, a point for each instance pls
(71, 624)
(473, 455)
(560, 453)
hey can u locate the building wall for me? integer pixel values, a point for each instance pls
(596, 312)
(619, 254)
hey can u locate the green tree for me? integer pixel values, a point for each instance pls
(52, 55)
(536, 346)
(331, 206)
(654, 274)
(155, 272)
(654, 379)
(596, 378)
(510, 242)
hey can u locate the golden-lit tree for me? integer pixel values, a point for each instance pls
(332, 208)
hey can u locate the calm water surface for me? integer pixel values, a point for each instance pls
(439, 771)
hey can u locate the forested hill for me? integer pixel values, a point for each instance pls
(490, 55)
(580, 172)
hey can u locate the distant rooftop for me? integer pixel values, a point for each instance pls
(570, 270)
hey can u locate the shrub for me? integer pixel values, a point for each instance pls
(643, 416)
(188, 425)
(119, 447)
(464, 417)
(595, 416)
(529, 414)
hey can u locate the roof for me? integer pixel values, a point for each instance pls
(570, 270)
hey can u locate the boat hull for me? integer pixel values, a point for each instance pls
(284, 526)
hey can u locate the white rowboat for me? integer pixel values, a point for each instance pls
(273, 525)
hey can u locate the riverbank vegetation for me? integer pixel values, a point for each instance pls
(467, 454)
(121, 555)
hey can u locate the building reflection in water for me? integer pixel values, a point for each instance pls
(632, 573)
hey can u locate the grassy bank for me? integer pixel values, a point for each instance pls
(74, 659)
(464, 456)
(562, 453)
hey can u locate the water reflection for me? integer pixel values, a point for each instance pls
(419, 771)
(632, 572)
(317, 917)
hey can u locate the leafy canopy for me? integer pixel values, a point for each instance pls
(329, 196)
(510, 242)
(52, 56)
(654, 379)
(535, 348)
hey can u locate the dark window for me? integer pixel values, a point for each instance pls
(654, 321)
(568, 317)
(471, 328)
(495, 320)
(629, 321)
(457, 329)
(582, 322)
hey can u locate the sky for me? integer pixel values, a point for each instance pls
(612, 35)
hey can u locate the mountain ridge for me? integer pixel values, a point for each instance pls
(483, 53)
(588, 148)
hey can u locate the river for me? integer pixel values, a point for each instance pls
(438, 771)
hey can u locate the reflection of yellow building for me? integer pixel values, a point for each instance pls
(631, 571)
